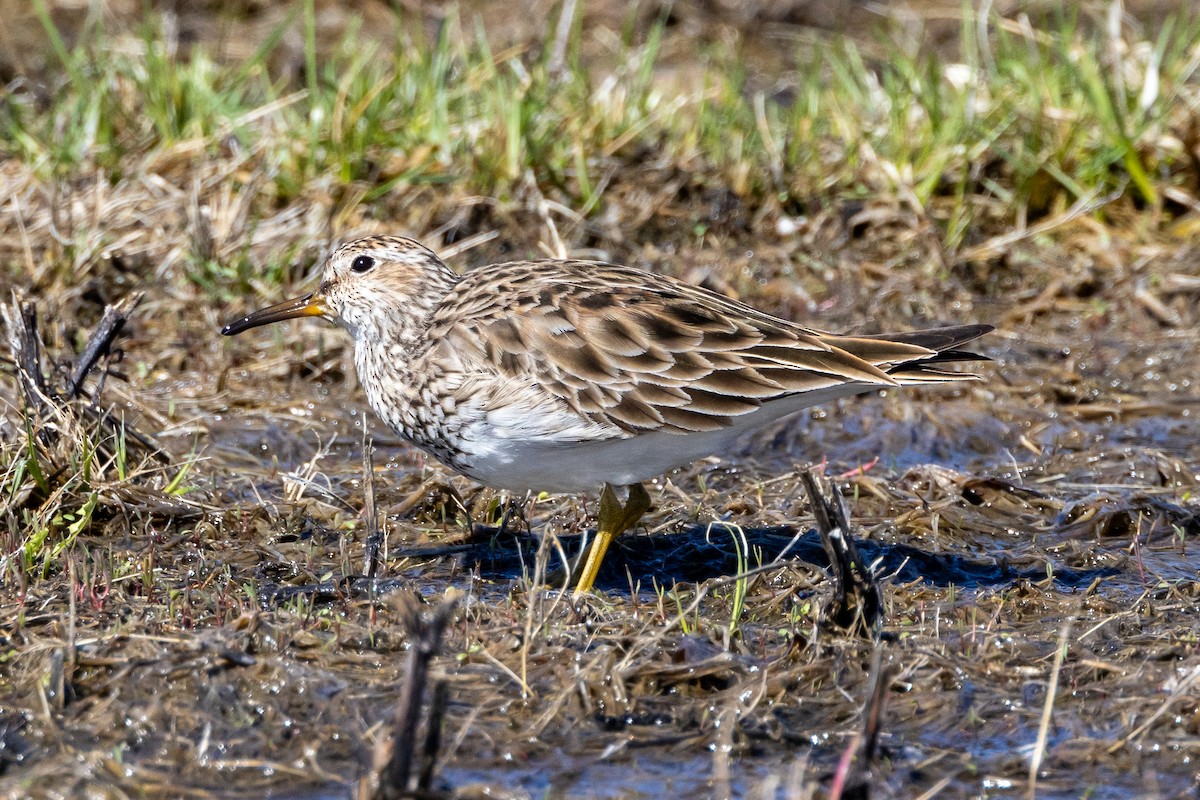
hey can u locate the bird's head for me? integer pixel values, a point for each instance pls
(371, 287)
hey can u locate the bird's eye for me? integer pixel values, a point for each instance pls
(362, 264)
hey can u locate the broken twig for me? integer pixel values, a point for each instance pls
(857, 595)
(392, 776)
(99, 344)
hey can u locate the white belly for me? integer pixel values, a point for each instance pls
(521, 463)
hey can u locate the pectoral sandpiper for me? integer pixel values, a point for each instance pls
(562, 376)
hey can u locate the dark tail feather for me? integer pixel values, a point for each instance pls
(945, 341)
(947, 356)
(942, 340)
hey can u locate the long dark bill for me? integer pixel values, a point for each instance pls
(307, 306)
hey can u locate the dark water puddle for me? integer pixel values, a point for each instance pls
(1106, 777)
(629, 775)
(968, 436)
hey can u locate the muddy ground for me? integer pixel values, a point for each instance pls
(1036, 531)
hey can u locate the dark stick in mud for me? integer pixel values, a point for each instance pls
(370, 515)
(391, 778)
(23, 340)
(854, 775)
(44, 400)
(857, 595)
(99, 344)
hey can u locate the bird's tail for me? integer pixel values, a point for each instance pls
(916, 357)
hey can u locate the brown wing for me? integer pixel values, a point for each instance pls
(640, 352)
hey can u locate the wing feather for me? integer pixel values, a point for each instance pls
(633, 352)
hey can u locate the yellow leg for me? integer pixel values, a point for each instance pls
(614, 520)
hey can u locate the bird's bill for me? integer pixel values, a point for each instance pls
(308, 306)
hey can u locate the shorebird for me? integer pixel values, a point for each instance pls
(563, 375)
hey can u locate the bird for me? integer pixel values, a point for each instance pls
(565, 375)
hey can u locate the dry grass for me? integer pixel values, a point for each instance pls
(202, 627)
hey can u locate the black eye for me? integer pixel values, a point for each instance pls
(362, 264)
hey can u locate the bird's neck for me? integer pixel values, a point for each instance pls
(400, 332)
(386, 350)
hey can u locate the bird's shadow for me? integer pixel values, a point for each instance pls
(703, 552)
(693, 555)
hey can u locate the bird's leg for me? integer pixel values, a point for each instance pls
(614, 520)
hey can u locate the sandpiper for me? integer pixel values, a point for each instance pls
(564, 375)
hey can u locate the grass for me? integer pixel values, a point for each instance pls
(69, 473)
(201, 617)
(1026, 123)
